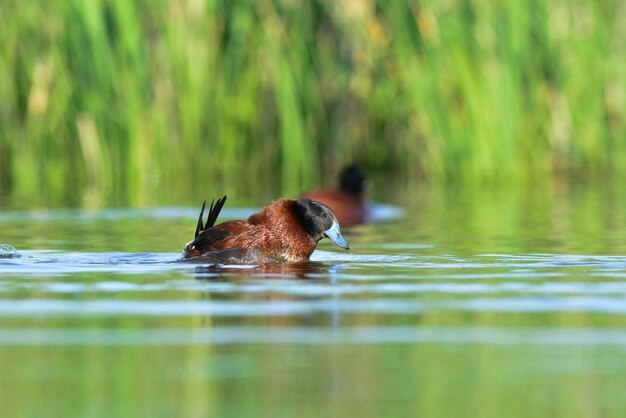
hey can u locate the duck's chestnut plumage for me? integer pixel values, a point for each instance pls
(347, 200)
(287, 230)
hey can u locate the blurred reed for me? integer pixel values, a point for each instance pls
(131, 99)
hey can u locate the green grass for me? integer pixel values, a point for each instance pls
(114, 100)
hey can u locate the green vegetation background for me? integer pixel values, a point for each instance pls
(122, 100)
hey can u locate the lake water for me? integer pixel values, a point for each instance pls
(459, 302)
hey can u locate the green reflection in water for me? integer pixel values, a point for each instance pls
(288, 380)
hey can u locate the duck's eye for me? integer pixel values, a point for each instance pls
(325, 215)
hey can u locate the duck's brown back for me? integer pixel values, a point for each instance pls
(272, 234)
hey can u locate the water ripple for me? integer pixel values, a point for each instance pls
(316, 336)
(324, 288)
(114, 307)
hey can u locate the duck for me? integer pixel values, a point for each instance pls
(347, 200)
(287, 230)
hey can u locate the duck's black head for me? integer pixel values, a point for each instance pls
(352, 180)
(319, 221)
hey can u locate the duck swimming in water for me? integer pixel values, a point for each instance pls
(285, 231)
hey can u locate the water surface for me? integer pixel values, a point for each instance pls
(472, 303)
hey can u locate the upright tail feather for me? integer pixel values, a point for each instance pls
(214, 211)
(200, 227)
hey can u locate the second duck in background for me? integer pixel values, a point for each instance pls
(348, 200)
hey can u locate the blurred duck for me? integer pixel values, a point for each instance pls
(285, 231)
(348, 200)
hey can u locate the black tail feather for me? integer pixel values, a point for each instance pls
(200, 227)
(214, 211)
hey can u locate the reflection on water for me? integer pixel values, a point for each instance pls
(269, 271)
(509, 303)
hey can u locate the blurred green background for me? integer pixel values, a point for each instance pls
(135, 102)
